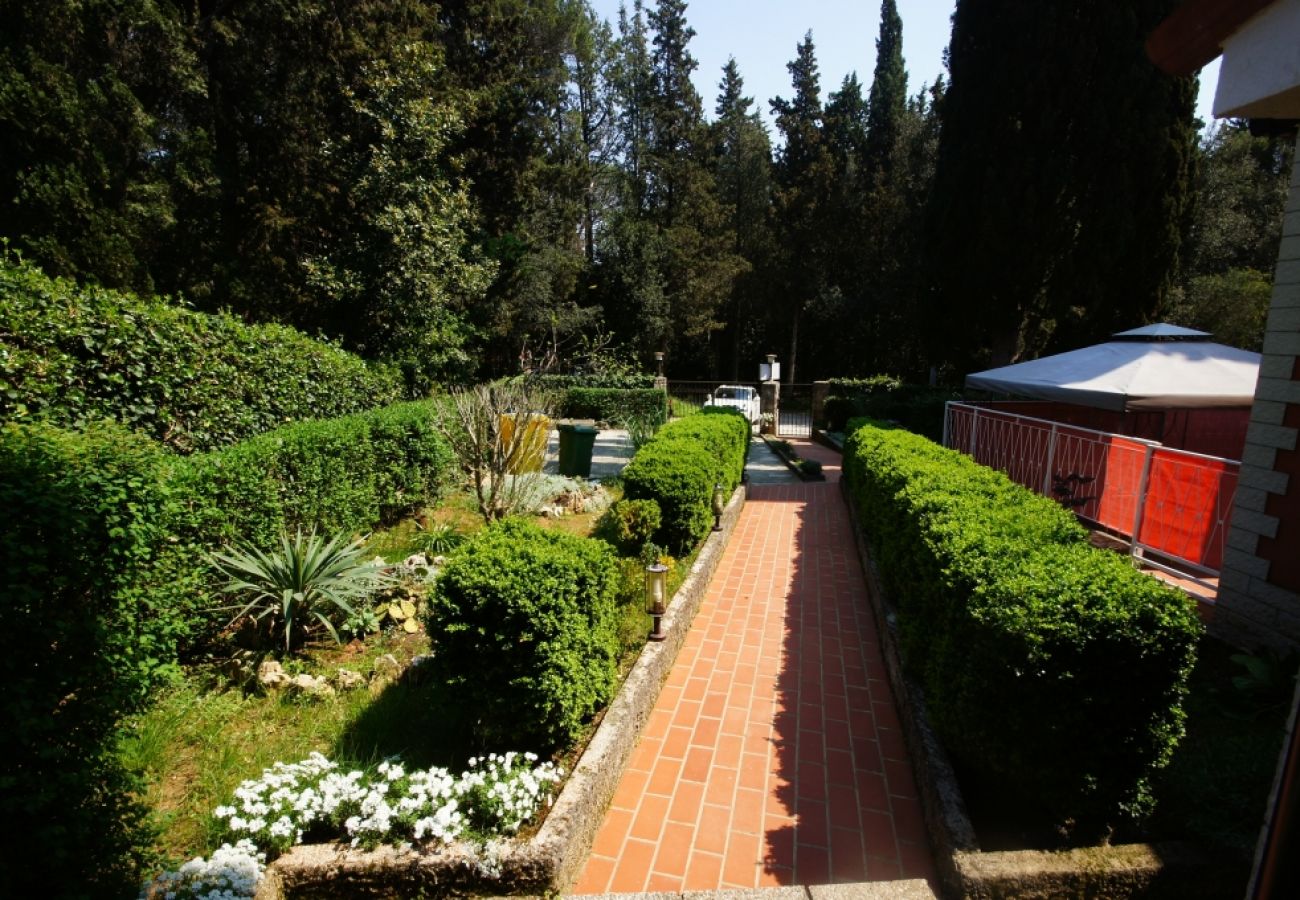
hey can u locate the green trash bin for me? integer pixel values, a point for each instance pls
(576, 445)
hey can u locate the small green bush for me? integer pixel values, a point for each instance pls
(679, 467)
(90, 628)
(1049, 666)
(70, 355)
(631, 524)
(524, 620)
(615, 404)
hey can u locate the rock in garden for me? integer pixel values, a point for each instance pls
(270, 674)
(311, 686)
(386, 670)
(349, 680)
(416, 561)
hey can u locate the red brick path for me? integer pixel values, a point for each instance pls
(773, 755)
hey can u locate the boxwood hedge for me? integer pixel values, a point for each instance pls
(85, 608)
(70, 355)
(526, 632)
(615, 404)
(1050, 667)
(679, 467)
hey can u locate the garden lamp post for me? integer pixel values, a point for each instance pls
(656, 589)
(659, 362)
(719, 504)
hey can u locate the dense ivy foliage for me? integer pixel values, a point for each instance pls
(70, 355)
(616, 404)
(1049, 666)
(679, 467)
(525, 623)
(86, 613)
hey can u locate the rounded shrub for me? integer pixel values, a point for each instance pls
(631, 524)
(524, 621)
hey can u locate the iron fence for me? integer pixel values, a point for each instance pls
(1173, 506)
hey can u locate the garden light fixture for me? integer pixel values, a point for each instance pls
(719, 504)
(656, 590)
(659, 361)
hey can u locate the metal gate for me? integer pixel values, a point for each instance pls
(795, 404)
(685, 397)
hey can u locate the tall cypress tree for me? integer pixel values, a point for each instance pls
(742, 166)
(804, 176)
(888, 98)
(1062, 184)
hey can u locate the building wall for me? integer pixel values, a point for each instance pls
(1259, 592)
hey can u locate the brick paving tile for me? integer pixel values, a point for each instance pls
(774, 754)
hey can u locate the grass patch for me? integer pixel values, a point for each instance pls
(200, 739)
(1215, 789)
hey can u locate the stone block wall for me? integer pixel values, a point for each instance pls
(1259, 590)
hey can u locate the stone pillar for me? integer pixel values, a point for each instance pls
(1259, 589)
(769, 406)
(769, 393)
(820, 391)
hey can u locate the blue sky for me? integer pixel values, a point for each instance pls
(763, 34)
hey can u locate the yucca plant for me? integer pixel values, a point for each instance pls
(309, 577)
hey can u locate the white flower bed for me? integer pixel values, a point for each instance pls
(496, 795)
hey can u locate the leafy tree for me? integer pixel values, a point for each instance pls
(396, 268)
(888, 99)
(1241, 189)
(1061, 189)
(87, 91)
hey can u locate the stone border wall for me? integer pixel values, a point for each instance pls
(551, 861)
(1167, 870)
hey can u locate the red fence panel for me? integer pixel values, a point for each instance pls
(1185, 499)
(1188, 506)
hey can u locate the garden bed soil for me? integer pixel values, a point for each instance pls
(786, 454)
(550, 861)
(984, 849)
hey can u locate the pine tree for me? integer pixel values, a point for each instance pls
(888, 98)
(1062, 183)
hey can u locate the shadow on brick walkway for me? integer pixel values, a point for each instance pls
(774, 754)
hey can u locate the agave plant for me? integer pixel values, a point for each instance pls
(309, 577)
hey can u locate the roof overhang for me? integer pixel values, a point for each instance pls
(1260, 74)
(1195, 32)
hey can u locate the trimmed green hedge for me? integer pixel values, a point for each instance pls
(105, 584)
(615, 404)
(526, 625)
(346, 474)
(70, 355)
(1049, 666)
(624, 382)
(679, 467)
(916, 407)
(88, 618)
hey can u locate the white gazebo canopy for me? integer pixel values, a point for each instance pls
(1156, 367)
